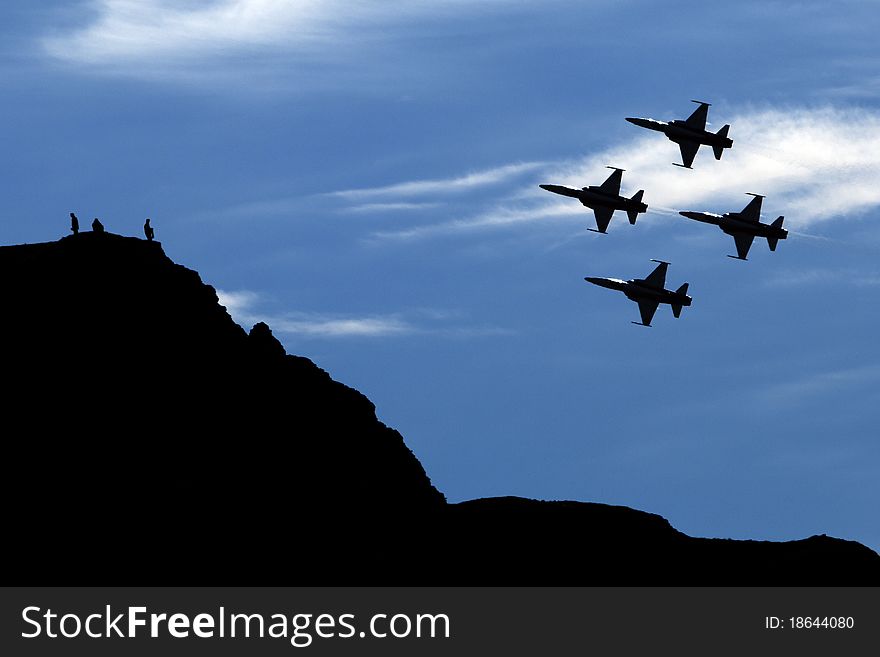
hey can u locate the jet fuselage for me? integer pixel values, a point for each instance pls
(637, 290)
(678, 131)
(593, 196)
(732, 224)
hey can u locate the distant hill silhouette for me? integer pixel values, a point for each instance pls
(149, 439)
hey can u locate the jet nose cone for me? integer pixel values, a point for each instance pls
(559, 189)
(595, 280)
(644, 123)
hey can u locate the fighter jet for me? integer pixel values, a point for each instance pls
(745, 226)
(690, 134)
(648, 292)
(604, 199)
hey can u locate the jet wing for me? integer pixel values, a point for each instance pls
(752, 212)
(612, 184)
(688, 152)
(647, 310)
(603, 217)
(657, 278)
(743, 244)
(697, 120)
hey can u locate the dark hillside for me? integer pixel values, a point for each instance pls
(149, 439)
(139, 414)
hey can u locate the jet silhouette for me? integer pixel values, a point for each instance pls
(690, 134)
(648, 292)
(744, 226)
(604, 199)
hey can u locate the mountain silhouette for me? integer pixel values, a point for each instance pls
(150, 439)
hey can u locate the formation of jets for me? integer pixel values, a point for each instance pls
(605, 199)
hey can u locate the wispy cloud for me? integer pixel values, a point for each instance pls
(314, 325)
(243, 305)
(821, 383)
(395, 198)
(244, 308)
(496, 217)
(813, 165)
(368, 208)
(239, 304)
(178, 38)
(456, 184)
(868, 87)
(796, 278)
(138, 30)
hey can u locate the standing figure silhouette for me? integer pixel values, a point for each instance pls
(74, 224)
(97, 226)
(148, 230)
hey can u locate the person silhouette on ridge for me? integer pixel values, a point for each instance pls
(74, 224)
(97, 226)
(148, 230)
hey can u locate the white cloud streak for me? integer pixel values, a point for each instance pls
(312, 325)
(164, 37)
(801, 390)
(238, 303)
(456, 184)
(131, 30)
(369, 208)
(797, 278)
(813, 165)
(242, 305)
(500, 217)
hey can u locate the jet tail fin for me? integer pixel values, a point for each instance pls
(676, 307)
(772, 241)
(719, 150)
(633, 214)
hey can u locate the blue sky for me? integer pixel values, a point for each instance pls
(363, 176)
